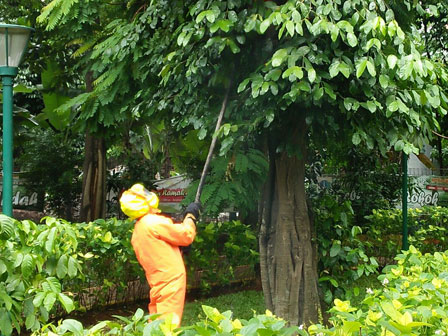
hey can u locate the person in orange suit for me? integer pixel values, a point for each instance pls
(156, 240)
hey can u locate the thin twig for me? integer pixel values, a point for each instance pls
(212, 146)
(440, 135)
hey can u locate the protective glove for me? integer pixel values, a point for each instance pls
(193, 208)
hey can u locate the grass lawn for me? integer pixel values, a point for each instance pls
(242, 304)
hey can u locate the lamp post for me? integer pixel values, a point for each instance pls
(13, 42)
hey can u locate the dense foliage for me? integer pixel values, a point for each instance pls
(343, 255)
(322, 69)
(234, 182)
(411, 301)
(58, 266)
(427, 230)
(36, 259)
(51, 166)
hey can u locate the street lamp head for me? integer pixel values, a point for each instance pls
(13, 43)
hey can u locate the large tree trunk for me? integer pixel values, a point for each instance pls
(93, 198)
(93, 201)
(287, 256)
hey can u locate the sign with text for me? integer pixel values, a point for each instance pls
(174, 195)
(171, 192)
(428, 190)
(23, 198)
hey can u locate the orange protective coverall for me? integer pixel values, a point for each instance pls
(156, 240)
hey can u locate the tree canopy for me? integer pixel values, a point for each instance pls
(326, 70)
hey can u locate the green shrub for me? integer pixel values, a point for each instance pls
(342, 254)
(427, 230)
(411, 301)
(47, 268)
(218, 249)
(52, 166)
(215, 323)
(35, 262)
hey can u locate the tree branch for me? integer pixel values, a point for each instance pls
(440, 135)
(212, 145)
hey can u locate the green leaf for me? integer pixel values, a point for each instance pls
(61, 267)
(6, 300)
(49, 244)
(392, 61)
(7, 225)
(392, 28)
(371, 69)
(273, 75)
(139, 313)
(274, 88)
(400, 33)
(406, 69)
(345, 25)
(311, 74)
(390, 310)
(334, 69)
(352, 40)
(384, 81)
(72, 267)
(233, 46)
(2, 267)
(38, 299)
(264, 89)
(371, 42)
(107, 238)
(344, 69)
(278, 57)
(349, 327)
(180, 38)
(299, 28)
(225, 25)
(30, 320)
(290, 27)
(304, 86)
(212, 313)
(335, 249)
(243, 84)
(318, 93)
(66, 302)
(201, 16)
(393, 106)
(74, 326)
(399, 145)
(328, 296)
(54, 284)
(356, 139)
(265, 25)
(210, 16)
(329, 91)
(361, 66)
(49, 300)
(20, 88)
(27, 265)
(371, 106)
(334, 32)
(294, 71)
(5, 322)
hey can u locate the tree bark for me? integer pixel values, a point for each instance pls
(287, 256)
(93, 201)
(93, 198)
